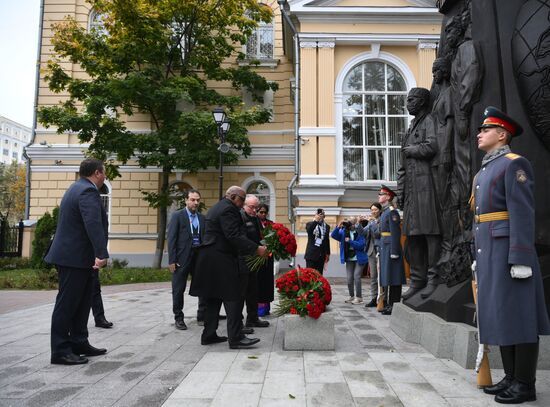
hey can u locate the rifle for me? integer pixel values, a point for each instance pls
(380, 297)
(482, 368)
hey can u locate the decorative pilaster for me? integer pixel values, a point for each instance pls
(426, 56)
(308, 105)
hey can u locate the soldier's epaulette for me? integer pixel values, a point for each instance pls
(512, 156)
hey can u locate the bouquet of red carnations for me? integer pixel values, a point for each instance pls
(280, 242)
(303, 292)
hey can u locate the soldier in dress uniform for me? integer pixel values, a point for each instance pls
(512, 312)
(392, 271)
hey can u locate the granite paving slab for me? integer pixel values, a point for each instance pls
(150, 363)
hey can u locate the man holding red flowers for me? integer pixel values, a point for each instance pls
(217, 269)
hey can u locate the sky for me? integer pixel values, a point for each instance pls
(18, 46)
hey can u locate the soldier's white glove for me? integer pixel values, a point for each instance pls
(474, 266)
(394, 256)
(520, 271)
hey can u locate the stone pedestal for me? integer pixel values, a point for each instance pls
(450, 340)
(305, 333)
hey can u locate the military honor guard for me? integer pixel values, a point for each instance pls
(511, 308)
(392, 270)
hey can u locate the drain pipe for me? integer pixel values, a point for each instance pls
(34, 118)
(294, 180)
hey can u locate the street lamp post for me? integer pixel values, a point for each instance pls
(223, 125)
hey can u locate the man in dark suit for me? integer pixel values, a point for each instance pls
(79, 247)
(318, 245)
(216, 275)
(185, 234)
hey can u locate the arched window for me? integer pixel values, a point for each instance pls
(374, 120)
(96, 23)
(263, 188)
(260, 42)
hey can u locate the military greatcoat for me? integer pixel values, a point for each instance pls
(510, 311)
(392, 271)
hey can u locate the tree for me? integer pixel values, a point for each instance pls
(157, 57)
(12, 191)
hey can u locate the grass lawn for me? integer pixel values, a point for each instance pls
(30, 279)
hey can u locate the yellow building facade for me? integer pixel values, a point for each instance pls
(357, 61)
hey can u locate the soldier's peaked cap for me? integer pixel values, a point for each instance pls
(388, 191)
(493, 117)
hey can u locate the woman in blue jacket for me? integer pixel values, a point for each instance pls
(353, 255)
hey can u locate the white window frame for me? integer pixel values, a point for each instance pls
(381, 56)
(255, 33)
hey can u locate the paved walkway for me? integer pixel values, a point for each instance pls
(149, 363)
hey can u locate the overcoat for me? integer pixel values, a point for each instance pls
(510, 311)
(415, 183)
(358, 244)
(392, 271)
(266, 276)
(216, 273)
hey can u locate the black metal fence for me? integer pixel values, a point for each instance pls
(11, 239)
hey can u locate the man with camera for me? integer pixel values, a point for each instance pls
(318, 246)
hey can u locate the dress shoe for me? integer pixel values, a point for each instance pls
(247, 331)
(410, 292)
(387, 310)
(103, 323)
(500, 386)
(371, 304)
(257, 324)
(68, 359)
(88, 350)
(180, 325)
(429, 290)
(516, 393)
(212, 340)
(243, 343)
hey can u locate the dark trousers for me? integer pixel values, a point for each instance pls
(317, 265)
(249, 292)
(72, 309)
(179, 283)
(423, 255)
(234, 322)
(520, 361)
(394, 294)
(97, 303)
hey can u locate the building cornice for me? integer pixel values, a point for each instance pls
(386, 15)
(134, 168)
(366, 39)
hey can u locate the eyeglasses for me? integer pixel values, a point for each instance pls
(382, 194)
(262, 212)
(242, 197)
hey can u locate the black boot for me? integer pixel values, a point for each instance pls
(525, 368)
(508, 355)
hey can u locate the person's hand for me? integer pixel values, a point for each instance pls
(99, 263)
(172, 267)
(327, 258)
(317, 217)
(262, 251)
(346, 239)
(394, 256)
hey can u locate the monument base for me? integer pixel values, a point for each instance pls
(453, 304)
(450, 340)
(305, 333)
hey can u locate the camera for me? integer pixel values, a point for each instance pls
(346, 224)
